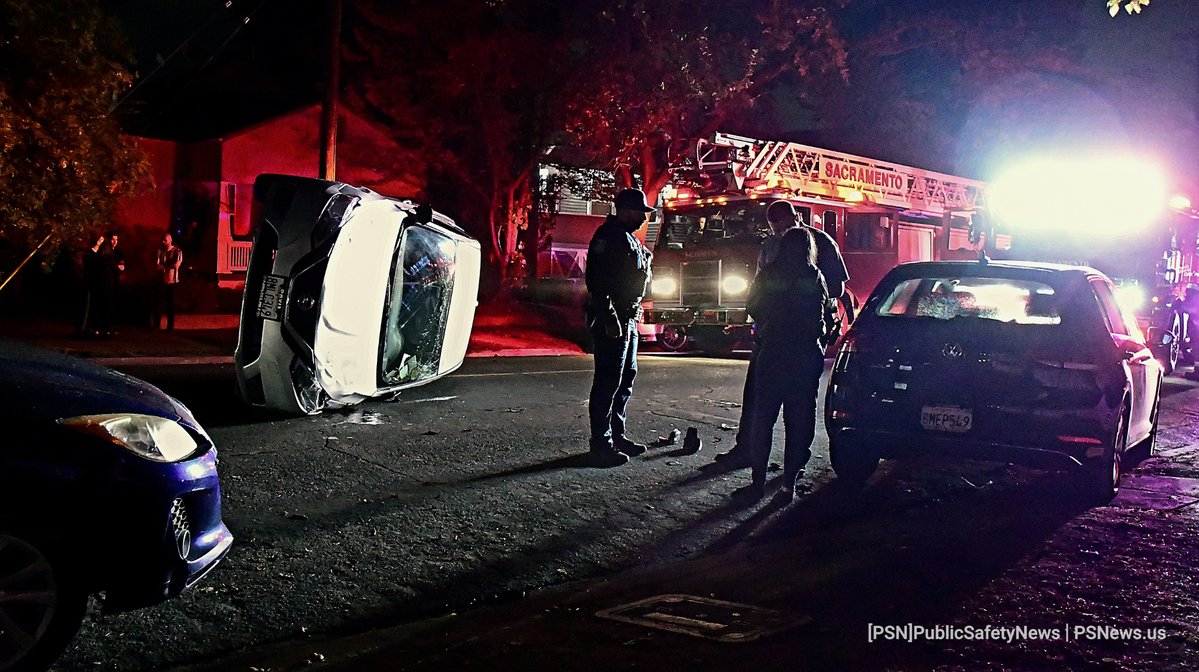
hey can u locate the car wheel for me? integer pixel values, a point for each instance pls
(41, 607)
(1106, 473)
(852, 461)
(1170, 355)
(1150, 443)
(673, 338)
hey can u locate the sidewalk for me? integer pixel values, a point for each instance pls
(507, 330)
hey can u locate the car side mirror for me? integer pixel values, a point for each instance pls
(1129, 346)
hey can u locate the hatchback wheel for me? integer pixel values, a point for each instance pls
(1106, 473)
(40, 608)
(851, 460)
(1170, 355)
(1150, 443)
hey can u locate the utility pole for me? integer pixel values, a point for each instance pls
(332, 84)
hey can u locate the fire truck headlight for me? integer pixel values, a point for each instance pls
(664, 287)
(1131, 297)
(734, 284)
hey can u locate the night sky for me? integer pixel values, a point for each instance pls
(1124, 82)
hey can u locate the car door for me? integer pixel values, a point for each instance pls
(1144, 371)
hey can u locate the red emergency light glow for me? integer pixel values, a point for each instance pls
(1088, 440)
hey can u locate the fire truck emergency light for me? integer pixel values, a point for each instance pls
(1105, 195)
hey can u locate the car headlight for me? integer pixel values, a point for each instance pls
(664, 286)
(734, 284)
(149, 436)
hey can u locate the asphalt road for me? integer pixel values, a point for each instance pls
(464, 491)
(467, 495)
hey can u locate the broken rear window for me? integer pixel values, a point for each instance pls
(945, 298)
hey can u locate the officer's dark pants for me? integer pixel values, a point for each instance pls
(745, 425)
(790, 379)
(615, 369)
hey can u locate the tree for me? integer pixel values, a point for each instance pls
(660, 73)
(63, 158)
(473, 87)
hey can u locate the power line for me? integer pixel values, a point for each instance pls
(228, 5)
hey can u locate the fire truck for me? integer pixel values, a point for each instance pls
(714, 219)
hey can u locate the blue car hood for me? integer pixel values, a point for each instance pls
(41, 386)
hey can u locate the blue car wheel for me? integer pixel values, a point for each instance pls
(41, 607)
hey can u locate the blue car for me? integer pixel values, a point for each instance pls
(107, 484)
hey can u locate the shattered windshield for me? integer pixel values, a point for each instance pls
(418, 304)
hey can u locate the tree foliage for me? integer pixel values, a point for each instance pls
(63, 158)
(486, 89)
(472, 87)
(1130, 6)
(659, 73)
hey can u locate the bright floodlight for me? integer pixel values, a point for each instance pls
(1108, 195)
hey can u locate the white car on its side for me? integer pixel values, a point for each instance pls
(349, 295)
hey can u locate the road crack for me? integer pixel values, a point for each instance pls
(329, 445)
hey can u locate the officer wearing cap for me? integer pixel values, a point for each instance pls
(618, 272)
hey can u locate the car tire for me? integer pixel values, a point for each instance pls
(1170, 355)
(1149, 445)
(852, 461)
(1104, 477)
(673, 338)
(28, 568)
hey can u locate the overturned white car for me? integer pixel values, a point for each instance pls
(349, 295)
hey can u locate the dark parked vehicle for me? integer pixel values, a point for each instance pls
(107, 485)
(995, 361)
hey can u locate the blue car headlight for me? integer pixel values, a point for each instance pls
(149, 436)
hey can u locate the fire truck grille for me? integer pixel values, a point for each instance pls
(701, 283)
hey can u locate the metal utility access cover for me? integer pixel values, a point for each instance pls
(704, 617)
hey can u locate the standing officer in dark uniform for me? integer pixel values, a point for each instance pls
(791, 304)
(781, 217)
(618, 272)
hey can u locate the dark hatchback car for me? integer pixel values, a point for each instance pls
(107, 485)
(1019, 361)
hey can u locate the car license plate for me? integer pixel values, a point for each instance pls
(946, 418)
(270, 301)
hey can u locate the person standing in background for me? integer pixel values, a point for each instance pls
(93, 288)
(170, 259)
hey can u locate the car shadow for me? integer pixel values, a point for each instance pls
(209, 392)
